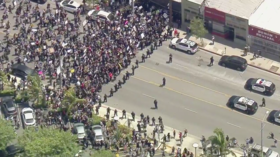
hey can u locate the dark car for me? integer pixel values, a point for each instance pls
(11, 151)
(243, 104)
(22, 71)
(261, 86)
(233, 62)
(9, 107)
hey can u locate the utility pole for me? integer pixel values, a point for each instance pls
(170, 13)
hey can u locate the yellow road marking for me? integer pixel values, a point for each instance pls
(192, 83)
(179, 79)
(196, 98)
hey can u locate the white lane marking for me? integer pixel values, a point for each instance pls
(149, 96)
(190, 110)
(233, 125)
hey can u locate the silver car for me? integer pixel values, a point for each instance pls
(79, 129)
(98, 133)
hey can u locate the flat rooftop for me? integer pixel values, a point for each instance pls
(195, 1)
(239, 8)
(266, 17)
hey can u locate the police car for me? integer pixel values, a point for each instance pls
(261, 86)
(244, 104)
(274, 116)
(184, 45)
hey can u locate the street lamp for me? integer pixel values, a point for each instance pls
(195, 145)
(264, 116)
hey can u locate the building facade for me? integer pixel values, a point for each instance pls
(190, 10)
(226, 25)
(266, 41)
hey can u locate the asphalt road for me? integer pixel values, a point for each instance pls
(195, 96)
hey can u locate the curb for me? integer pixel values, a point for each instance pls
(248, 64)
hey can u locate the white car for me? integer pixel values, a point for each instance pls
(79, 129)
(28, 116)
(70, 5)
(184, 45)
(98, 133)
(102, 15)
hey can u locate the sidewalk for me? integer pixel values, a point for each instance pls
(174, 142)
(223, 49)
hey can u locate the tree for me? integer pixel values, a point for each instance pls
(70, 99)
(34, 91)
(48, 142)
(197, 28)
(219, 143)
(103, 153)
(7, 133)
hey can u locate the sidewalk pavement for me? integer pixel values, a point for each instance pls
(235, 49)
(188, 141)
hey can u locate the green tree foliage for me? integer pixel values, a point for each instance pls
(4, 78)
(103, 153)
(45, 142)
(7, 133)
(220, 144)
(34, 91)
(70, 99)
(197, 28)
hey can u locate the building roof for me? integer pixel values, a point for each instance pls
(196, 1)
(266, 16)
(239, 8)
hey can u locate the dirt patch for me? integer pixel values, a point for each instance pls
(273, 68)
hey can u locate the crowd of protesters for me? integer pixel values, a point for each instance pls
(92, 53)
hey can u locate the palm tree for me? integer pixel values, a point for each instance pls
(70, 99)
(34, 91)
(219, 143)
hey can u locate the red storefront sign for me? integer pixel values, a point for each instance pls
(215, 14)
(257, 32)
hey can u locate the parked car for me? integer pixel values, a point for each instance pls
(79, 129)
(234, 62)
(28, 116)
(11, 151)
(184, 45)
(98, 132)
(267, 152)
(9, 107)
(70, 5)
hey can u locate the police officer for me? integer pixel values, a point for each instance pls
(111, 92)
(105, 98)
(137, 62)
(170, 58)
(124, 79)
(160, 41)
(127, 75)
(124, 114)
(211, 61)
(163, 81)
(155, 103)
(143, 58)
(99, 102)
(116, 87)
(108, 110)
(133, 68)
(148, 54)
(263, 102)
(97, 110)
(120, 84)
(155, 44)
(133, 115)
(152, 49)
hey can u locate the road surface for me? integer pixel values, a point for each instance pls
(195, 97)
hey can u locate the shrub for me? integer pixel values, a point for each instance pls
(95, 120)
(7, 92)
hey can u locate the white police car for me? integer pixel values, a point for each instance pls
(184, 45)
(244, 104)
(261, 86)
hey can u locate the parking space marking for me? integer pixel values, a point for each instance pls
(190, 110)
